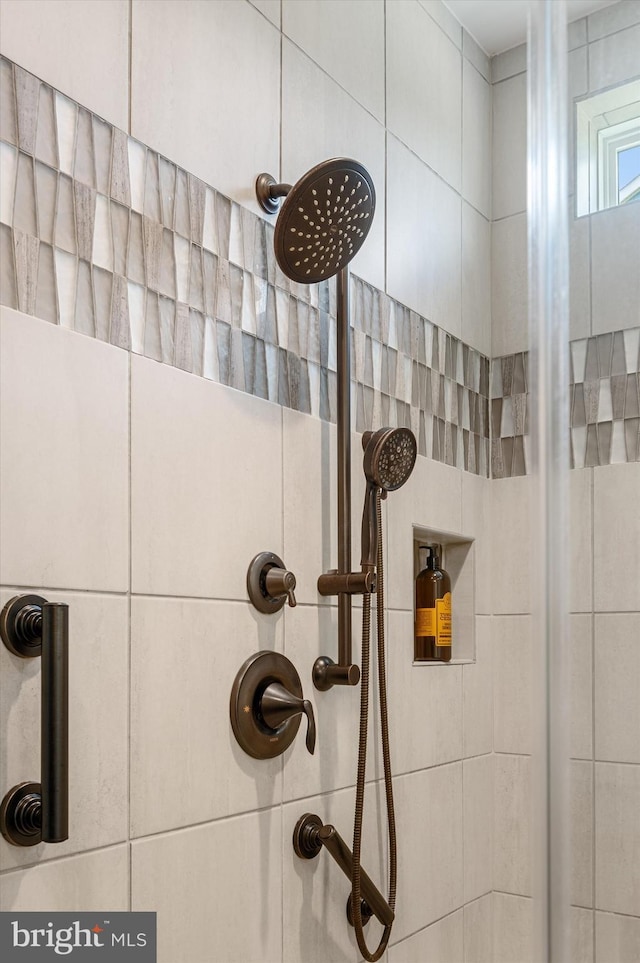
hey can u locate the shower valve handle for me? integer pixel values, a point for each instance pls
(278, 704)
(280, 582)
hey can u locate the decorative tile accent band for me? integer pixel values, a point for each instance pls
(604, 395)
(102, 235)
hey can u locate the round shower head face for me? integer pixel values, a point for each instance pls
(324, 220)
(389, 457)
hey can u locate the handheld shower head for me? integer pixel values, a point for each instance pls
(324, 219)
(389, 457)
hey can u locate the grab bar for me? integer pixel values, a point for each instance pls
(33, 812)
(310, 835)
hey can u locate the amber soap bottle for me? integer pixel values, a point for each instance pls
(432, 634)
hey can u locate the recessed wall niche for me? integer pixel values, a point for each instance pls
(457, 557)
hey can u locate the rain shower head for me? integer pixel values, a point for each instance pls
(389, 457)
(324, 219)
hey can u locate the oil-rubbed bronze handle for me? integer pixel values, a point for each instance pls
(278, 704)
(279, 582)
(39, 812)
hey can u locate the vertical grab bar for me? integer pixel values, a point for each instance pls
(32, 812)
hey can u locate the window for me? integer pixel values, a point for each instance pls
(608, 149)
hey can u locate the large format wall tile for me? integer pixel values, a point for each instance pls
(616, 538)
(179, 876)
(98, 726)
(509, 279)
(476, 279)
(512, 683)
(509, 147)
(94, 881)
(513, 929)
(580, 824)
(203, 461)
(186, 766)
(425, 703)
(617, 687)
(430, 861)
(617, 938)
(346, 39)
(581, 671)
(95, 39)
(423, 239)
(64, 465)
(478, 794)
(478, 930)
(183, 57)
(511, 559)
(615, 279)
(320, 120)
(512, 833)
(441, 942)
(476, 139)
(424, 89)
(617, 832)
(614, 59)
(477, 694)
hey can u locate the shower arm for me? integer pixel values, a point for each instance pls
(343, 582)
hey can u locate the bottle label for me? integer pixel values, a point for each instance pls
(426, 622)
(443, 620)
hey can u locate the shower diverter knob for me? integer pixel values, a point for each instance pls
(269, 583)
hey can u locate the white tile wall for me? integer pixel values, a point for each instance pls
(477, 693)
(509, 147)
(215, 900)
(581, 824)
(424, 89)
(95, 40)
(615, 279)
(346, 40)
(182, 59)
(617, 687)
(441, 942)
(424, 239)
(509, 286)
(478, 930)
(429, 862)
(581, 669)
(580, 497)
(512, 683)
(476, 138)
(617, 938)
(512, 929)
(616, 538)
(512, 850)
(271, 9)
(424, 701)
(581, 935)
(200, 455)
(64, 466)
(186, 766)
(476, 279)
(614, 59)
(511, 550)
(478, 792)
(92, 881)
(617, 838)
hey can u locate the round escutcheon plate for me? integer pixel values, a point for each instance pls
(251, 731)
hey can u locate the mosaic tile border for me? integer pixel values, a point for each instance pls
(604, 398)
(102, 235)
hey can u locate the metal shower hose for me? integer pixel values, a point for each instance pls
(362, 758)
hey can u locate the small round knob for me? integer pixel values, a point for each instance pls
(269, 583)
